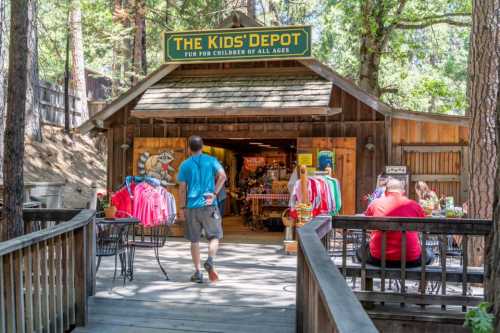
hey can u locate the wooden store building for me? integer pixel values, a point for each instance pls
(266, 110)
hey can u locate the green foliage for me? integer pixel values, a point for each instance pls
(479, 320)
(421, 70)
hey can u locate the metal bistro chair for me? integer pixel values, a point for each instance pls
(153, 237)
(111, 241)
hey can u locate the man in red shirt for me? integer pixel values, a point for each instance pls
(395, 204)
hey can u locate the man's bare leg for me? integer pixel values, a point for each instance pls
(195, 255)
(213, 246)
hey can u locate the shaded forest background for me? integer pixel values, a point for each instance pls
(412, 53)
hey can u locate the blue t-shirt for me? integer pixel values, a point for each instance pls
(198, 172)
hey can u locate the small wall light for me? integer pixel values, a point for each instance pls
(370, 146)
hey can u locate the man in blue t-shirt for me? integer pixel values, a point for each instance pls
(201, 178)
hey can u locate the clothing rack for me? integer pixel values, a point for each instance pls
(303, 181)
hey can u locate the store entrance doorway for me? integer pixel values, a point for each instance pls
(256, 194)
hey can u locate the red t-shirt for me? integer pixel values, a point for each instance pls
(396, 205)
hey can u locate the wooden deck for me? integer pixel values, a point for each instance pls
(256, 293)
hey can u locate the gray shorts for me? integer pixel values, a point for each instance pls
(206, 218)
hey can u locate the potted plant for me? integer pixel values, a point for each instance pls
(108, 207)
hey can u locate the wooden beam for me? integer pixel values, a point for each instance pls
(431, 117)
(235, 112)
(435, 178)
(258, 71)
(432, 148)
(240, 134)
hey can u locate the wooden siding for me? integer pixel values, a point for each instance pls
(357, 120)
(419, 132)
(345, 165)
(436, 153)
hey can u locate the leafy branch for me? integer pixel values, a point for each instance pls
(428, 21)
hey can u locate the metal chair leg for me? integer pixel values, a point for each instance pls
(157, 255)
(131, 258)
(123, 260)
(116, 262)
(98, 264)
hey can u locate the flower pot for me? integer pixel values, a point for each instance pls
(110, 212)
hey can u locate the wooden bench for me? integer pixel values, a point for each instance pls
(381, 300)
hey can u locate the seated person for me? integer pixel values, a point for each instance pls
(394, 204)
(427, 198)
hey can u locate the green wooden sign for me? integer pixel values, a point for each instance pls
(237, 44)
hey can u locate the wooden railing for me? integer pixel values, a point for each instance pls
(451, 263)
(45, 275)
(325, 303)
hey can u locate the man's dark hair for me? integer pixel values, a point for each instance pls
(195, 143)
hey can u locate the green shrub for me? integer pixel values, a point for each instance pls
(479, 320)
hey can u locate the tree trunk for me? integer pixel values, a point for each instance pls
(251, 8)
(493, 285)
(66, 83)
(139, 57)
(3, 74)
(78, 69)
(493, 262)
(375, 34)
(33, 117)
(483, 88)
(14, 132)
(121, 48)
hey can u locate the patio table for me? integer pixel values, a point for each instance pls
(126, 224)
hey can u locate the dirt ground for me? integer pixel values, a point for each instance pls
(76, 160)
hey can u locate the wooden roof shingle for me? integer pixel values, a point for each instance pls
(221, 93)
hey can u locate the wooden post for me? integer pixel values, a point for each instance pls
(91, 259)
(304, 185)
(91, 246)
(93, 196)
(80, 276)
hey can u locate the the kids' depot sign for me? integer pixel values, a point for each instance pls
(234, 44)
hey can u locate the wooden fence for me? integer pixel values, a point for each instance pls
(442, 167)
(52, 105)
(46, 275)
(325, 303)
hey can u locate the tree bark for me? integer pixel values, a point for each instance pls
(375, 33)
(33, 117)
(483, 89)
(122, 48)
(493, 285)
(78, 69)
(139, 57)
(3, 74)
(493, 262)
(14, 132)
(66, 82)
(251, 8)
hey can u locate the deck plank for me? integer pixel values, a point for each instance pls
(256, 293)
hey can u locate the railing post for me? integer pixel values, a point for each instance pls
(299, 310)
(91, 262)
(80, 276)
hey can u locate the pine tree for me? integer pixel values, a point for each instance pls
(78, 69)
(3, 73)
(33, 116)
(483, 89)
(14, 130)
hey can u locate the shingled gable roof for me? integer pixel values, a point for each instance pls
(237, 20)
